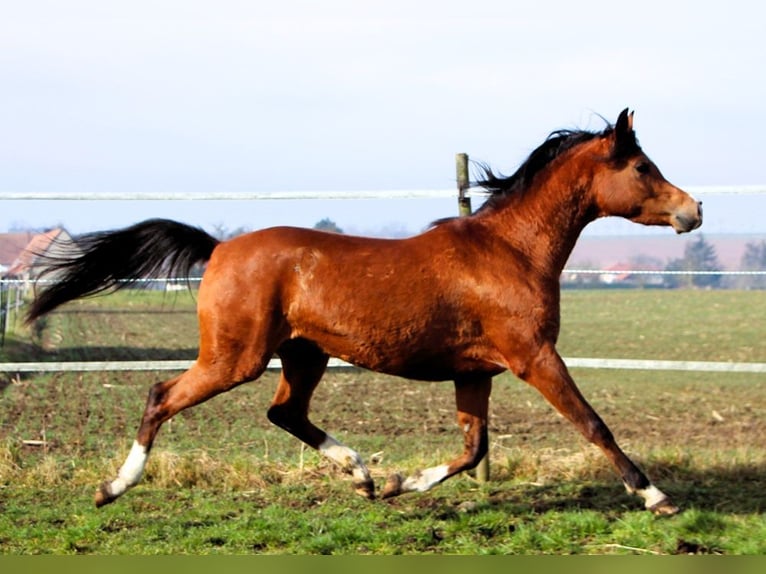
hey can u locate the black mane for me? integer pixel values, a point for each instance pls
(555, 144)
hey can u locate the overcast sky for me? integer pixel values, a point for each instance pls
(223, 95)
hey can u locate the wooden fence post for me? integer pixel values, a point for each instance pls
(5, 294)
(463, 201)
(464, 209)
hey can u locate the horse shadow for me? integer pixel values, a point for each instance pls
(717, 492)
(738, 489)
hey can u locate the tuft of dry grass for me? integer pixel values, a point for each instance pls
(547, 464)
(47, 471)
(10, 461)
(198, 469)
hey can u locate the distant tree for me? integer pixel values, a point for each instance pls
(328, 224)
(754, 259)
(699, 255)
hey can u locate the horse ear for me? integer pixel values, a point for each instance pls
(624, 136)
(624, 123)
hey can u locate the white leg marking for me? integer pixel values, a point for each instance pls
(651, 495)
(131, 471)
(425, 479)
(347, 458)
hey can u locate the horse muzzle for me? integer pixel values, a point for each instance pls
(688, 219)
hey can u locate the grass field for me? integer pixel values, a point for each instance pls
(221, 479)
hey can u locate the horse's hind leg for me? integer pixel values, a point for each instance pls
(165, 400)
(303, 365)
(472, 398)
(548, 373)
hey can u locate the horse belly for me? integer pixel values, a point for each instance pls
(414, 358)
(436, 369)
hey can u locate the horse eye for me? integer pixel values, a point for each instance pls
(642, 168)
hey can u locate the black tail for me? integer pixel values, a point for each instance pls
(111, 260)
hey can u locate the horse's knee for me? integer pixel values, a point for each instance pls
(157, 394)
(156, 410)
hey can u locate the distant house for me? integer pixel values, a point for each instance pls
(11, 245)
(22, 255)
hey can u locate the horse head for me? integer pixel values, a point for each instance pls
(634, 188)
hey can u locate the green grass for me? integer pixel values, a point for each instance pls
(667, 325)
(323, 517)
(221, 479)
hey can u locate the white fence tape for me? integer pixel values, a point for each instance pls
(308, 194)
(576, 362)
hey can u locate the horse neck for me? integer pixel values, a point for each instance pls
(545, 220)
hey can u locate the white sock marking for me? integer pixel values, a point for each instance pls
(425, 479)
(131, 470)
(347, 458)
(651, 495)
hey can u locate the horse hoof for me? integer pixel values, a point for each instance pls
(104, 495)
(664, 508)
(393, 486)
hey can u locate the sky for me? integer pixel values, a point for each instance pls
(235, 96)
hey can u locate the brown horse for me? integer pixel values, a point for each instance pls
(466, 300)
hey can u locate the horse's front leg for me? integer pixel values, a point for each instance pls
(549, 375)
(472, 398)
